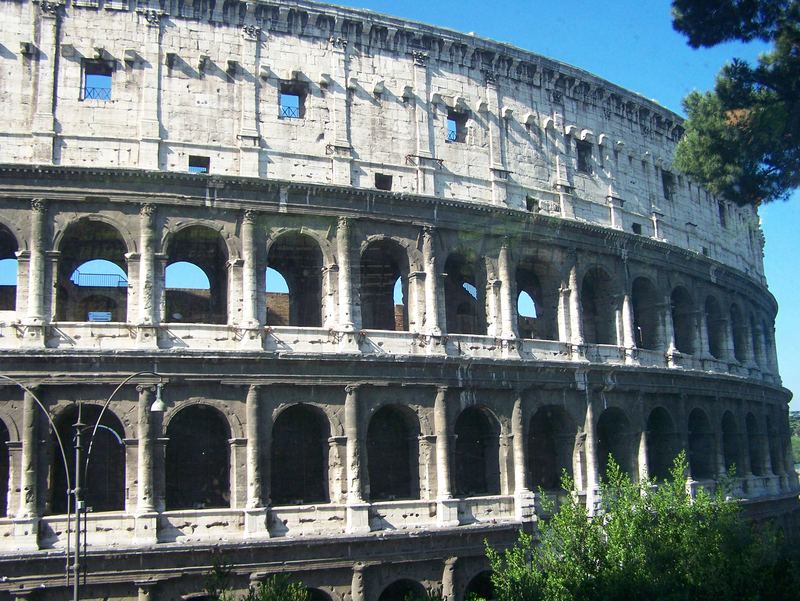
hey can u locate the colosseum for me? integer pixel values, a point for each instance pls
(432, 272)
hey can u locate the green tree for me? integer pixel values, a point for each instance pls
(645, 542)
(742, 141)
(277, 587)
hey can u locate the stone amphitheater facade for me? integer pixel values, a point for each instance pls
(369, 429)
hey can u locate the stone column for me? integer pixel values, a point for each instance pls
(345, 291)
(149, 123)
(449, 579)
(415, 302)
(669, 326)
(523, 500)
(357, 583)
(145, 502)
(43, 124)
(36, 265)
(357, 510)
(253, 448)
(432, 283)
(447, 509)
(575, 321)
(148, 307)
(341, 149)
(644, 467)
(628, 335)
(249, 85)
(249, 272)
(592, 468)
(28, 499)
(507, 312)
(498, 173)
(425, 144)
(702, 335)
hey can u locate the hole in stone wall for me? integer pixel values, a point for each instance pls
(754, 446)
(715, 328)
(646, 317)
(464, 298)
(477, 459)
(598, 308)
(661, 444)
(614, 439)
(551, 442)
(384, 274)
(383, 181)
(730, 443)
(9, 267)
(393, 455)
(701, 446)
(683, 320)
(537, 300)
(298, 260)
(199, 164)
(97, 80)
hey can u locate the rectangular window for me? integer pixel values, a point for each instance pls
(456, 126)
(668, 184)
(97, 80)
(292, 101)
(532, 204)
(637, 228)
(584, 150)
(98, 316)
(198, 164)
(721, 208)
(383, 181)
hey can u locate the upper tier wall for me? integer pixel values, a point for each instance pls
(192, 79)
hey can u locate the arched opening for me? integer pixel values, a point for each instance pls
(477, 454)
(393, 454)
(300, 456)
(768, 341)
(754, 447)
(103, 470)
(730, 443)
(464, 296)
(701, 446)
(614, 439)
(383, 263)
(551, 442)
(404, 590)
(598, 308)
(8, 270)
(197, 459)
(739, 334)
(314, 594)
(480, 587)
(92, 281)
(189, 296)
(4, 469)
(775, 454)
(661, 440)
(298, 260)
(537, 300)
(715, 328)
(756, 342)
(645, 314)
(683, 320)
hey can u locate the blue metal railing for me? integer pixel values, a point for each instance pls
(289, 112)
(99, 280)
(91, 93)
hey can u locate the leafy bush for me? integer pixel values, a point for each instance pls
(277, 587)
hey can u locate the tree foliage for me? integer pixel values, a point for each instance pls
(277, 587)
(742, 140)
(645, 543)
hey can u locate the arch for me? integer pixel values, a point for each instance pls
(754, 447)
(298, 258)
(683, 320)
(730, 443)
(383, 263)
(197, 459)
(646, 318)
(614, 439)
(465, 295)
(315, 594)
(551, 444)
(598, 307)
(92, 273)
(768, 342)
(9, 266)
(480, 587)
(739, 334)
(403, 590)
(661, 444)
(701, 446)
(104, 469)
(5, 471)
(300, 456)
(535, 279)
(476, 453)
(715, 328)
(775, 452)
(204, 248)
(393, 454)
(756, 341)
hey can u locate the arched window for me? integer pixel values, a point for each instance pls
(683, 320)
(480, 587)
(645, 315)
(4, 469)
(701, 446)
(92, 278)
(537, 300)
(615, 440)
(715, 328)
(300, 456)
(393, 454)
(197, 459)
(384, 263)
(477, 458)
(103, 470)
(754, 446)
(403, 590)
(598, 308)
(8, 270)
(661, 447)
(739, 334)
(196, 278)
(551, 443)
(730, 443)
(297, 258)
(464, 298)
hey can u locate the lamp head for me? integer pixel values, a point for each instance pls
(158, 405)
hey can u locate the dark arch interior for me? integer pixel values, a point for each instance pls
(701, 446)
(477, 458)
(392, 455)
(82, 296)
(4, 469)
(645, 314)
(403, 590)
(683, 320)
(715, 327)
(739, 334)
(465, 313)
(8, 250)
(661, 444)
(775, 454)
(382, 262)
(298, 259)
(197, 459)
(103, 475)
(537, 281)
(614, 439)
(730, 443)
(300, 457)
(203, 247)
(754, 446)
(480, 587)
(314, 594)
(551, 441)
(598, 308)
